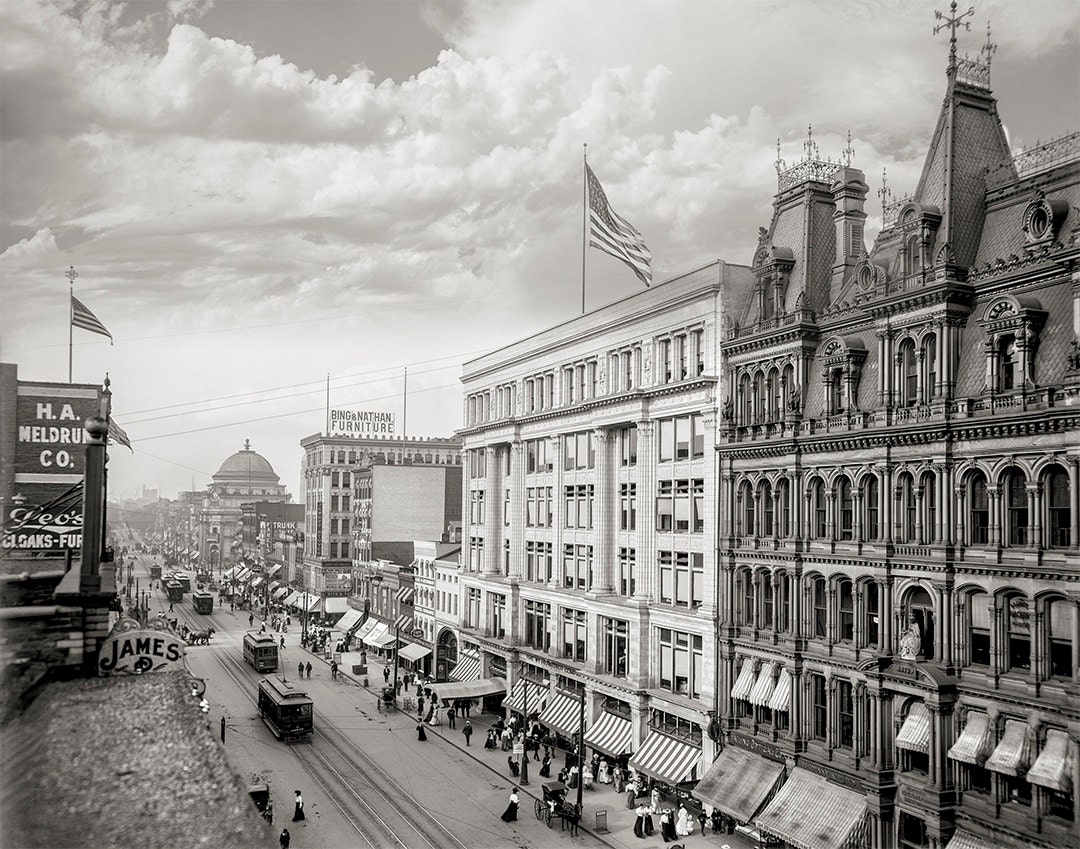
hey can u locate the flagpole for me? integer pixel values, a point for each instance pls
(404, 411)
(71, 275)
(584, 218)
(328, 403)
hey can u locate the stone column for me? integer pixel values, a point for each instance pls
(994, 499)
(645, 586)
(887, 614)
(1034, 525)
(604, 524)
(557, 511)
(960, 537)
(492, 509)
(517, 509)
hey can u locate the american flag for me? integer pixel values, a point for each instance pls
(613, 234)
(117, 434)
(82, 317)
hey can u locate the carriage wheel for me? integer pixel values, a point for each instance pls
(538, 809)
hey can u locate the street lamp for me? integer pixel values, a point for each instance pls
(525, 748)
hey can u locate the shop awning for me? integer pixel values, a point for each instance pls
(290, 598)
(809, 812)
(966, 840)
(338, 604)
(365, 629)
(281, 592)
(1013, 754)
(781, 694)
(538, 694)
(305, 601)
(273, 570)
(257, 582)
(563, 712)
(275, 584)
(413, 651)
(349, 619)
(668, 759)
(373, 636)
(243, 574)
(763, 687)
(739, 783)
(914, 734)
(467, 668)
(1053, 768)
(228, 573)
(745, 682)
(611, 734)
(451, 690)
(974, 744)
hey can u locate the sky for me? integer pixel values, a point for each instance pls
(261, 196)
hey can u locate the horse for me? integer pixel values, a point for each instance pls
(195, 638)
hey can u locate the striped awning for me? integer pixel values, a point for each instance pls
(243, 574)
(467, 668)
(739, 783)
(974, 744)
(365, 629)
(745, 682)
(763, 687)
(290, 598)
(275, 584)
(914, 734)
(563, 712)
(349, 619)
(538, 694)
(966, 840)
(781, 694)
(668, 759)
(304, 601)
(810, 812)
(281, 592)
(1013, 754)
(377, 635)
(611, 734)
(228, 573)
(257, 582)
(273, 570)
(413, 651)
(470, 689)
(1053, 768)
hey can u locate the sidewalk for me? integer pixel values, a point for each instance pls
(599, 798)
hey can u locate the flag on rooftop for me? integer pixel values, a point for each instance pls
(82, 317)
(613, 234)
(117, 434)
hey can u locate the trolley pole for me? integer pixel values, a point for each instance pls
(397, 639)
(581, 751)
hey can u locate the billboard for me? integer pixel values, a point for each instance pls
(361, 423)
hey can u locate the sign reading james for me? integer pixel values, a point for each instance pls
(133, 650)
(361, 423)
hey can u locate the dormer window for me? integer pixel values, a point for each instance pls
(1007, 363)
(1012, 325)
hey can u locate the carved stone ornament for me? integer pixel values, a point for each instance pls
(911, 642)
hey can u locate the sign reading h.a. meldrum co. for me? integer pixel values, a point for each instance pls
(361, 423)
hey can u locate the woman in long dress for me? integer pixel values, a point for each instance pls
(510, 814)
(298, 809)
(684, 826)
(545, 766)
(639, 823)
(421, 735)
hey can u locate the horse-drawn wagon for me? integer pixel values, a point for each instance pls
(555, 806)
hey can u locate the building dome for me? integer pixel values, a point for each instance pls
(246, 465)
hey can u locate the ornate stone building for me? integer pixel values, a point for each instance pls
(900, 636)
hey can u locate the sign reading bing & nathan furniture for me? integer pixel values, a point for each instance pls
(131, 649)
(361, 423)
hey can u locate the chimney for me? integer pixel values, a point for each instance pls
(849, 191)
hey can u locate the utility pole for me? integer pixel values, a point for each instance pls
(525, 748)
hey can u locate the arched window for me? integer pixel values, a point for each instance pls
(978, 510)
(783, 501)
(846, 505)
(1014, 494)
(930, 367)
(1058, 511)
(1059, 616)
(871, 615)
(836, 391)
(977, 613)
(787, 380)
(1008, 363)
(766, 588)
(746, 401)
(784, 589)
(818, 525)
(928, 489)
(767, 514)
(1016, 616)
(906, 489)
(919, 611)
(759, 398)
(846, 595)
(911, 255)
(870, 527)
(746, 612)
(821, 609)
(909, 374)
(746, 495)
(776, 396)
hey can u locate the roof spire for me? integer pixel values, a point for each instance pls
(885, 193)
(247, 444)
(848, 152)
(952, 22)
(989, 49)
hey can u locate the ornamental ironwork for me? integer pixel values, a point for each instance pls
(1040, 158)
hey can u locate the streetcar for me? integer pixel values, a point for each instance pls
(175, 591)
(286, 710)
(183, 580)
(155, 572)
(202, 602)
(261, 651)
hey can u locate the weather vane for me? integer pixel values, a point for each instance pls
(988, 49)
(952, 22)
(71, 274)
(885, 193)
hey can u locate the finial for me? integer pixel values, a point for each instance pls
(988, 49)
(808, 145)
(849, 151)
(780, 165)
(952, 22)
(71, 274)
(247, 444)
(885, 193)
(108, 382)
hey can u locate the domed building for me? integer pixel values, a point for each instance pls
(243, 478)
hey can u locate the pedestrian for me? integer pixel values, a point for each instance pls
(515, 770)
(510, 814)
(251, 621)
(420, 706)
(308, 667)
(702, 818)
(333, 670)
(298, 809)
(300, 669)
(451, 717)
(386, 674)
(283, 642)
(170, 607)
(545, 766)
(467, 731)
(468, 704)
(285, 839)
(421, 735)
